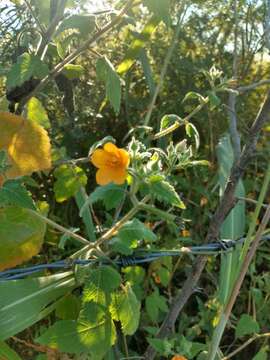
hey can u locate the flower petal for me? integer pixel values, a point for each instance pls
(105, 175)
(124, 157)
(100, 158)
(111, 148)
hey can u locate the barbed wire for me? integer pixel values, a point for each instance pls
(139, 257)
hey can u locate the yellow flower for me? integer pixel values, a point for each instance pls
(112, 164)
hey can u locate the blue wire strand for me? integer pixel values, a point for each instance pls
(140, 257)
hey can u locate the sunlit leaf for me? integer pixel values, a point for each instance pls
(192, 132)
(107, 73)
(69, 180)
(168, 120)
(165, 192)
(27, 145)
(101, 282)
(72, 71)
(93, 333)
(21, 234)
(27, 66)
(85, 24)
(37, 113)
(160, 8)
(137, 45)
(126, 309)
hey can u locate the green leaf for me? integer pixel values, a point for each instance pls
(13, 192)
(36, 113)
(72, 71)
(100, 284)
(27, 66)
(81, 198)
(68, 307)
(136, 230)
(85, 24)
(135, 276)
(94, 333)
(149, 77)
(69, 180)
(161, 9)
(163, 346)
(193, 95)
(214, 100)
(111, 195)
(21, 234)
(107, 73)
(164, 275)
(234, 225)
(129, 235)
(192, 132)
(165, 192)
(262, 354)
(6, 353)
(126, 308)
(168, 120)
(137, 45)
(30, 300)
(246, 325)
(155, 303)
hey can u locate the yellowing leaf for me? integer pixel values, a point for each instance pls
(21, 236)
(27, 145)
(37, 113)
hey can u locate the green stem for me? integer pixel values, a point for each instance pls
(153, 210)
(60, 227)
(112, 230)
(185, 120)
(81, 198)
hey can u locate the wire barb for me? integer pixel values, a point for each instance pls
(139, 257)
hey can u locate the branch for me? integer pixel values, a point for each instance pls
(227, 203)
(249, 341)
(59, 67)
(245, 88)
(32, 12)
(46, 38)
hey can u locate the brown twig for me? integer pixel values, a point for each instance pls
(227, 203)
(37, 348)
